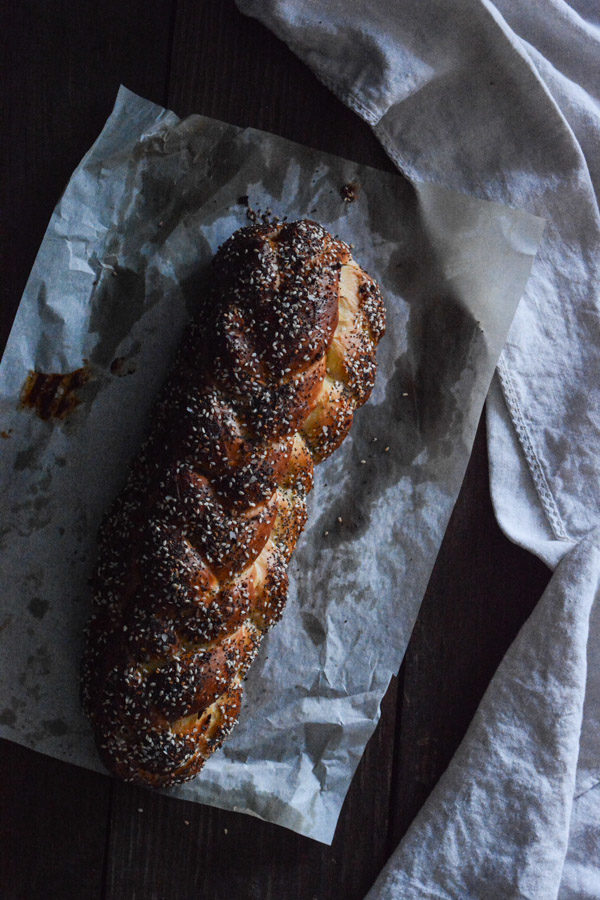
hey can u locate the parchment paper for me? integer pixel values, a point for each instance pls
(113, 283)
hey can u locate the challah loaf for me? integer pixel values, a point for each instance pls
(193, 555)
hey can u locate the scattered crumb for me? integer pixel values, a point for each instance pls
(340, 520)
(225, 831)
(5, 434)
(362, 462)
(325, 533)
(266, 217)
(186, 822)
(140, 809)
(53, 395)
(386, 450)
(349, 192)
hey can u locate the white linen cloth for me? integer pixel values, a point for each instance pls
(497, 824)
(501, 100)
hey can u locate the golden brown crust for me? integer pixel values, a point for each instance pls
(192, 557)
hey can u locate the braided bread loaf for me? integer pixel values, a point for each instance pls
(193, 555)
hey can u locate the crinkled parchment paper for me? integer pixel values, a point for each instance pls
(111, 289)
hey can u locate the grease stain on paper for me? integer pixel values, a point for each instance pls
(38, 607)
(8, 717)
(55, 727)
(38, 663)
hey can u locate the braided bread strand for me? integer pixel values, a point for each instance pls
(193, 555)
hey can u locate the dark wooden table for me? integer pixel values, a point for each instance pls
(71, 833)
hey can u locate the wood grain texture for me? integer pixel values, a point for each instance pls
(70, 833)
(231, 67)
(63, 63)
(165, 848)
(53, 826)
